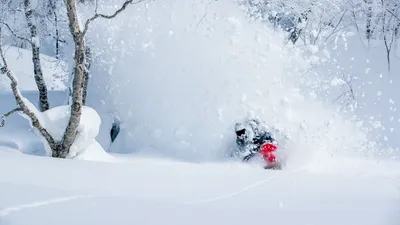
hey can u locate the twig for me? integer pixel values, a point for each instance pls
(396, 17)
(3, 117)
(11, 112)
(205, 14)
(341, 95)
(337, 25)
(97, 15)
(13, 33)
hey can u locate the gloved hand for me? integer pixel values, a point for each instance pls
(252, 151)
(248, 157)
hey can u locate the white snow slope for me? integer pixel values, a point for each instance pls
(40, 191)
(178, 86)
(20, 62)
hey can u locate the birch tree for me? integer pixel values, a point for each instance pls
(37, 68)
(34, 41)
(60, 148)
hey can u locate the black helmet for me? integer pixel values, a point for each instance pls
(240, 129)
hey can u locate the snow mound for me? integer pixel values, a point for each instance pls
(17, 132)
(85, 146)
(191, 70)
(20, 62)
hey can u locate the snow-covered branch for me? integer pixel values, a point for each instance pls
(11, 112)
(3, 117)
(22, 104)
(99, 15)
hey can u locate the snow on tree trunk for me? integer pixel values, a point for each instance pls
(37, 68)
(78, 80)
(85, 145)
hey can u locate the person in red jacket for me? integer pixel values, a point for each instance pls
(254, 139)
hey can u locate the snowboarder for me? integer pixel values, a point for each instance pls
(253, 138)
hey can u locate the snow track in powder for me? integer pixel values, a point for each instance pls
(242, 190)
(13, 209)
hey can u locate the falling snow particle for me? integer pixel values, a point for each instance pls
(303, 126)
(312, 95)
(377, 124)
(285, 101)
(313, 48)
(244, 98)
(337, 81)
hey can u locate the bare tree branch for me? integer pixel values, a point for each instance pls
(11, 112)
(205, 13)
(24, 108)
(97, 15)
(341, 95)
(3, 117)
(349, 92)
(337, 25)
(13, 33)
(396, 17)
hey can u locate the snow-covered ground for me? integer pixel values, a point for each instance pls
(178, 85)
(37, 190)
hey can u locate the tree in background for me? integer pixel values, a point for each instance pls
(317, 21)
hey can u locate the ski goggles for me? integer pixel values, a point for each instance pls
(240, 132)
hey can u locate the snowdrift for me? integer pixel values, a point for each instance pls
(85, 146)
(180, 73)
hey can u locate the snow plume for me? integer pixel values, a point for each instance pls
(180, 73)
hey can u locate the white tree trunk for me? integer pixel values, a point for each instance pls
(37, 68)
(78, 80)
